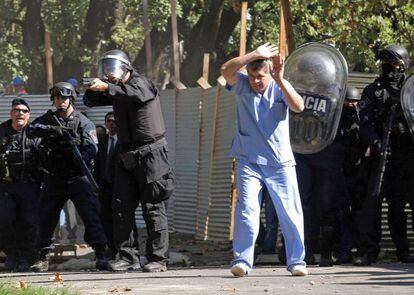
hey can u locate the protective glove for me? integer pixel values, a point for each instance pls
(377, 147)
(58, 131)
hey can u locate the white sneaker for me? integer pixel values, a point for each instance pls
(299, 271)
(239, 269)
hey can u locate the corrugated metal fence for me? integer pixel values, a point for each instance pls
(200, 125)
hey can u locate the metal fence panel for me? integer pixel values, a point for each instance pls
(168, 108)
(219, 214)
(186, 159)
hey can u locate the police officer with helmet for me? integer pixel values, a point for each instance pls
(64, 179)
(380, 104)
(144, 174)
(19, 190)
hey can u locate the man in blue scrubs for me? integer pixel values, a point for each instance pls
(262, 147)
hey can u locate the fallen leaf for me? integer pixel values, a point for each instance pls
(57, 278)
(22, 285)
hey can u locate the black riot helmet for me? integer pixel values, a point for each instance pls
(63, 89)
(395, 54)
(352, 93)
(114, 65)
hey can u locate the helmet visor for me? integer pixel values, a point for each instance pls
(391, 57)
(61, 91)
(111, 68)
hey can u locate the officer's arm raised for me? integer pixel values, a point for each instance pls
(93, 98)
(139, 89)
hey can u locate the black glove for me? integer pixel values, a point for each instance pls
(377, 147)
(55, 131)
(58, 131)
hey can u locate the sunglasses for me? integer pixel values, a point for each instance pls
(24, 111)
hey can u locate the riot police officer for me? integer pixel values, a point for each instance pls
(64, 179)
(144, 174)
(380, 107)
(348, 136)
(19, 190)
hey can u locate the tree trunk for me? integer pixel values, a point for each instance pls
(100, 21)
(33, 44)
(201, 40)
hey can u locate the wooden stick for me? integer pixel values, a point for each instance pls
(176, 57)
(243, 28)
(49, 64)
(148, 53)
(203, 81)
(287, 16)
(282, 34)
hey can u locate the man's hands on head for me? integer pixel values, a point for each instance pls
(266, 51)
(98, 85)
(278, 68)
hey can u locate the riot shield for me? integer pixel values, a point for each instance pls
(407, 102)
(319, 73)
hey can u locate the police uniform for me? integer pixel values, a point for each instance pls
(64, 179)
(19, 197)
(321, 182)
(377, 99)
(144, 174)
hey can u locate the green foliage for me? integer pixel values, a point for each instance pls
(10, 288)
(65, 21)
(357, 27)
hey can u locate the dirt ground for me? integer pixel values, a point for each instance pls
(202, 267)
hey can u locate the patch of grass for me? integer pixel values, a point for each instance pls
(23, 288)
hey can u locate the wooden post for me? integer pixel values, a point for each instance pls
(176, 56)
(203, 81)
(49, 64)
(282, 34)
(286, 39)
(243, 25)
(148, 54)
(243, 28)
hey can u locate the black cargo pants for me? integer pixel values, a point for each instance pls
(19, 219)
(143, 176)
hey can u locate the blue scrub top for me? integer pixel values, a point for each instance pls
(262, 130)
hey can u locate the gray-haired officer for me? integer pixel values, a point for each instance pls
(144, 174)
(64, 179)
(19, 190)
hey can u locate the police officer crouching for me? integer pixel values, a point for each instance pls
(19, 190)
(144, 174)
(64, 179)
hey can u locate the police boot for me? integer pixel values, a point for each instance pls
(404, 256)
(124, 264)
(309, 255)
(42, 264)
(155, 266)
(101, 259)
(326, 245)
(11, 263)
(364, 260)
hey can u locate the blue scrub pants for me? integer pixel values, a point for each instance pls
(281, 184)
